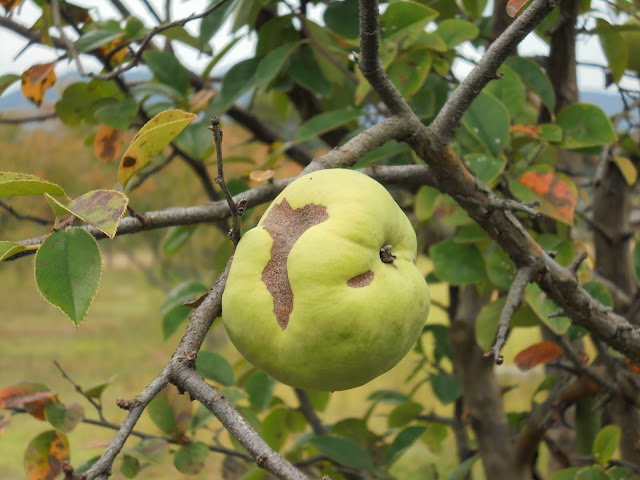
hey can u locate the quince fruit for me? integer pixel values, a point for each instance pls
(324, 293)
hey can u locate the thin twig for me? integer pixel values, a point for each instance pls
(590, 372)
(78, 388)
(309, 413)
(33, 118)
(71, 48)
(20, 216)
(514, 206)
(575, 264)
(234, 234)
(514, 299)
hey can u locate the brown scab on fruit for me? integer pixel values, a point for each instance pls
(361, 280)
(286, 225)
(128, 162)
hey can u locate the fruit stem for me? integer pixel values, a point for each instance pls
(385, 254)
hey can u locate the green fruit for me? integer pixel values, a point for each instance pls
(324, 293)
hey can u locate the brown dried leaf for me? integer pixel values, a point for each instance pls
(9, 4)
(514, 6)
(201, 99)
(36, 80)
(537, 354)
(107, 145)
(261, 175)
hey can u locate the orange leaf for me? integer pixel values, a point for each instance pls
(632, 366)
(114, 51)
(537, 354)
(37, 80)
(107, 145)
(559, 195)
(32, 397)
(529, 130)
(261, 175)
(46, 455)
(9, 4)
(514, 6)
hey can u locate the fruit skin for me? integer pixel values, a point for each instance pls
(337, 336)
(632, 38)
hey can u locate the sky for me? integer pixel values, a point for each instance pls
(589, 49)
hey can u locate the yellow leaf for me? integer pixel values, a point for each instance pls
(627, 168)
(37, 80)
(156, 134)
(9, 4)
(115, 51)
(107, 146)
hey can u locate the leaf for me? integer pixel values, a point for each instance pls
(96, 38)
(107, 146)
(584, 126)
(14, 184)
(509, 90)
(36, 80)
(118, 114)
(403, 414)
(402, 442)
(605, 444)
(543, 307)
(81, 100)
(102, 209)
(7, 80)
(500, 269)
(97, 390)
(388, 396)
(410, 70)
(180, 34)
(189, 459)
(514, 6)
(279, 423)
(636, 260)
(176, 238)
(149, 450)
(565, 474)
(627, 168)
(326, 121)
(33, 397)
(260, 389)
(342, 18)
(9, 5)
(454, 31)
(424, 203)
(167, 69)
(64, 417)
(130, 466)
(457, 263)
(171, 412)
(535, 78)
(197, 141)
(343, 450)
(238, 80)
(8, 249)
(212, 22)
(404, 15)
(592, 473)
(173, 311)
(214, 367)
(446, 387)
(493, 135)
(68, 270)
(156, 134)
(558, 194)
(46, 455)
(464, 468)
(304, 69)
(270, 66)
(615, 48)
(537, 354)
(486, 167)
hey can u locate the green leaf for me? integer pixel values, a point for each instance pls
(7, 80)
(80, 100)
(543, 307)
(535, 78)
(240, 79)
(424, 203)
(319, 400)
(46, 454)
(97, 390)
(403, 414)
(156, 134)
(435, 437)
(118, 115)
(446, 387)
(326, 121)
(68, 270)
(212, 22)
(402, 15)
(7, 249)
(494, 135)
(563, 248)
(598, 291)
(470, 234)
(592, 473)
(454, 31)
(270, 66)
(176, 238)
(605, 444)
(402, 442)
(180, 34)
(279, 423)
(173, 312)
(486, 167)
(584, 126)
(171, 412)
(388, 396)
(64, 417)
(636, 260)
(156, 89)
(615, 48)
(197, 141)
(149, 450)
(474, 8)
(457, 263)
(16, 184)
(96, 38)
(342, 18)
(305, 70)
(102, 209)
(509, 90)
(167, 69)
(343, 450)
(465, 467)
(260, 389)
(500, 268)
(410, 70)
(487, 323)
(189, 459)
(214, 367)
(130, 466)
(565, 474)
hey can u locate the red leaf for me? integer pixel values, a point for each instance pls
(537, 354)
(559, 195)
(514, 6)
(32, 397)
